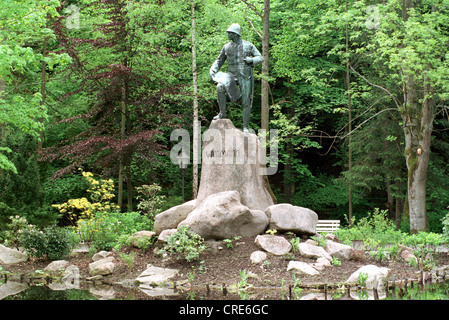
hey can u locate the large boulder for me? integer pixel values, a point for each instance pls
(11, 256)
(302, 267)
(102, 267)
(308, 250)
(375, 276)
(286, 217)
(155, 276)
(223, 216)
(169, 219)
(234, 160)
(274, 244)
(339, 250)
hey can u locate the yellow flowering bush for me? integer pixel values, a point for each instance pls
(98, 220)
(85, 215)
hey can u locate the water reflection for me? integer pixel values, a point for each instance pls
(102, 291)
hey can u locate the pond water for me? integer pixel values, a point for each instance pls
(432, 291)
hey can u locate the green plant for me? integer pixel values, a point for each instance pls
(15, 228)
(336, 262)
(424, 246)
(229, 241)
(52, 242)
(128, 258)
(322, 242)
(296, 287)
(271, 231)
(361, 279)
(150, 202)
(295, 243)
(185, 243)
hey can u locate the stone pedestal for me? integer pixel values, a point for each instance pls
(233, 160)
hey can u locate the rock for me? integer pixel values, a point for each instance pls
(373, 272)
(169, 219)
(314, 252)
(155, 276)
(11, 288)
(274, 244)
(407, 255)
(338, 250)
(231, 160)
(323, 262)
(164, 234)
(101, 255)
(332, 237)
(102, 291)
(258, 257)
(302, 267)
(102, 267)
(70, 278)
(56, 265)
(140, 236)
(223, 216)
(285, 217)
(11, 256)
(158, 291)
(80, 248)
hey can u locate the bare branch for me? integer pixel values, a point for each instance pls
(377, 86)
(252, 7)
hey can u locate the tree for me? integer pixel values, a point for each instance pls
(131, 90)
(23, 26)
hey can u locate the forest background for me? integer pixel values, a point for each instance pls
(357, 90)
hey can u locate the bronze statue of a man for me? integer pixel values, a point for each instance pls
(242, 56)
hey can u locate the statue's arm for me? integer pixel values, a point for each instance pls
(257, 57)
(218, 63)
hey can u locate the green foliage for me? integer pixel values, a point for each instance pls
(54, 243)
(424, 246)
(185, 243)
(150, 200)
(106, 231)
(14, 229)
(374, 229)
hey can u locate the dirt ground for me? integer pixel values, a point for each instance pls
(220, 267)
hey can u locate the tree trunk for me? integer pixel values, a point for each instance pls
(195, 111)
(265, 106)
(43, 92)
(418, 125)
(122, 137)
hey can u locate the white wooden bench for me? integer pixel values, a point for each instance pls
(328, 226)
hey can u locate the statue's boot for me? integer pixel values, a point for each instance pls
(246, 115)
(221, 97)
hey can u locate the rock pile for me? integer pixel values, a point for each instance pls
(223, 216)
(278, 245)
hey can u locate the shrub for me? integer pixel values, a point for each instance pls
(104, 230)
(52, 242)
(375, 228)
(15, 228)
(185, 243)
(150, 202)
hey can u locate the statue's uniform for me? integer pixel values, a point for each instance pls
(239, 72)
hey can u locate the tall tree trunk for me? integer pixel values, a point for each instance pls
(418, 124)
(348, 84)
(122, 137)
(43, 93)
(195, 111)
(265, 106)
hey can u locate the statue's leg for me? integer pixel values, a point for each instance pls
(221, 95)
(245, 87)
